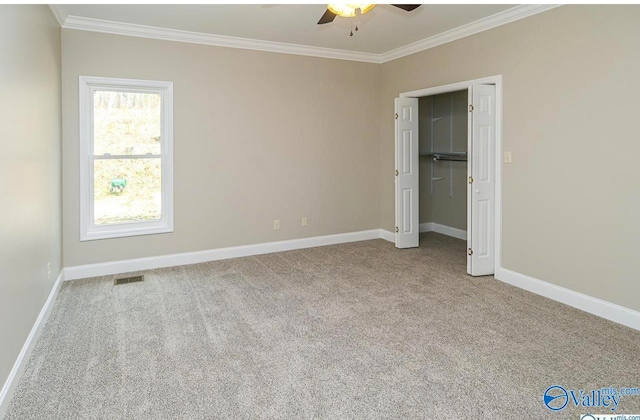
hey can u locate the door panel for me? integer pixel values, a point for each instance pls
(482, 189)
(406, 213)
(407, 231)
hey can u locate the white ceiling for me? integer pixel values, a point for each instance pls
(383, 29)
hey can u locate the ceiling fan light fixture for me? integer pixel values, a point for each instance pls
(349, 10)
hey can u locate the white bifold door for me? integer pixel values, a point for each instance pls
(481, 177)
(407, 224)
(481, 183)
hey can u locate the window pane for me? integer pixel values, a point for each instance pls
(127, 190)
(126, 123)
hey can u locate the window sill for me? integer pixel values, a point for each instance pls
(123, 232)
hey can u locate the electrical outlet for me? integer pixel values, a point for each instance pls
(507, 157)
(276, 224)
(304, 221)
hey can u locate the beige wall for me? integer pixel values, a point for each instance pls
(258, 136)
(444, 205)
(30, 207)
(571, 198)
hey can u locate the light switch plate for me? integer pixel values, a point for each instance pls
(507, 157)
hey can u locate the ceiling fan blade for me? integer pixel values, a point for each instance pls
(407, 7)
(327, 17)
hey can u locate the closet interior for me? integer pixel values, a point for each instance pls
(443, 131)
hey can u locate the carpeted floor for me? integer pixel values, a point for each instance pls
(360, 330)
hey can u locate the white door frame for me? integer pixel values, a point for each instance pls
(454, 87)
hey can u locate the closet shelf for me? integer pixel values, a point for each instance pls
(447, 156)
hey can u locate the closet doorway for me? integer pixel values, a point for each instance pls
(447, 167)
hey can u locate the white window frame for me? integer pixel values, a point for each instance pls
(88, 229)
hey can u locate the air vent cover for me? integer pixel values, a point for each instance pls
(126, 280)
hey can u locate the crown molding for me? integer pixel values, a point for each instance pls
(129, 29)
(490, 22)
(143, 31)
(59, 13)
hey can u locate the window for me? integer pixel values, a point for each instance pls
(126, 142)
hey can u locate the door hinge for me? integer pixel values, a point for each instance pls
(396, 115)
(397, 173)
(470, 107)
(470, 180)
(397, 230)
(470, 251)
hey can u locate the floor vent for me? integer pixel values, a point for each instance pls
(126, 280)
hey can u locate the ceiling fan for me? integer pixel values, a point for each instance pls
(351, 10)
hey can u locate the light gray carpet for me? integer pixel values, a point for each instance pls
(359, 330)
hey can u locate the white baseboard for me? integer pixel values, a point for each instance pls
(445, 230)
(387, 236)
(429, 227)
(577, 300)
(138, 264)
(595, 306)
(18, 367)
